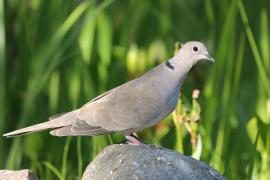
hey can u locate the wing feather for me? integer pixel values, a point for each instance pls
(129, 106)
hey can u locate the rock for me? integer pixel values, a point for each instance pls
(123, 161)
(17, 175)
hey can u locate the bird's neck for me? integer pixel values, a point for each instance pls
(177, 69)
(168, 76)
(181, 66)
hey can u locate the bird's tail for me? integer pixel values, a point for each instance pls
(32, 129)
(55, 122)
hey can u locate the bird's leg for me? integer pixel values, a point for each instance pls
(133, 139)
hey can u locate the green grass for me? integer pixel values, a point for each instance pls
(2, 77)
(57, 55)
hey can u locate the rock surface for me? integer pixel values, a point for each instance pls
(17, 175)
(146, 162)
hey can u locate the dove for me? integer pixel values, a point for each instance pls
(131, 107)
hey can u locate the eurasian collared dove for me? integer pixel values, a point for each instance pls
(131, 107)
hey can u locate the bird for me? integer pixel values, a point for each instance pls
(131, 107)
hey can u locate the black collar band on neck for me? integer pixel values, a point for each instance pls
(169, 65)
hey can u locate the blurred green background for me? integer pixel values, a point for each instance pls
(57, 55)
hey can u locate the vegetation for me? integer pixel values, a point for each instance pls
(57, 55)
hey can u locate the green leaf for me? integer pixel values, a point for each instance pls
(104, 38)
(86, 39)
(252, 129)
(54, 91)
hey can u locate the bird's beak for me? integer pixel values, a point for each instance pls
(209, 58)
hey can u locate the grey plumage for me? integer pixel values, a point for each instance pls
(130, 107)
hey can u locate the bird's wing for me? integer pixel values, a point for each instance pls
(75, 126)
(79, 128)
(129, 106)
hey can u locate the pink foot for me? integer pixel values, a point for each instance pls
(132, 139)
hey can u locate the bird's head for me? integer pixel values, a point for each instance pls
(191, 53)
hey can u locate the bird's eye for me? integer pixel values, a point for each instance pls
(195, 49)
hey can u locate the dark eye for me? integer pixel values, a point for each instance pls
(195, 49)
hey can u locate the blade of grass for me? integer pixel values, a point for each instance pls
(179, 141)
(209, 11)
(104, 38)
(211, 18)
(238, 67)
(104, 43)
(87, 35)
(264, 39)
(54, 91)
(253, 157)
(40, 170)
(86, 39)
(75, 85)
(70, 21)
(262, 109)
(15, 155)
(64, 159)
(254, 48)
(267, 154)
(80, 157)
(53, 169)
(2, 79)
(98, 143)
(110, 140)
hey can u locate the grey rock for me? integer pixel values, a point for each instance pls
(146, 162)
(17, 175)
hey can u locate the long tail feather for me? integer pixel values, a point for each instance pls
(56, 121)
(35, 128)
